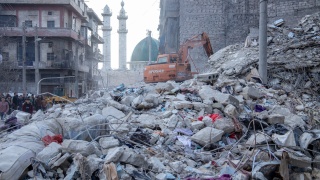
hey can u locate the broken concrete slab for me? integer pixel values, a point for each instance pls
(114, 155)
(157, 165)
(296, 158)
(163, 87)
(147, 120)
(79, 146)
(111, 112)
(276, 119)
(224, 124)
(197, 125)
(108, 142)
(206, 93)
(130, 157)
(254, 93)
(258, 138)
(49, 152)
(182, 105)
(207, 135)
(284, 140)
(231, 111)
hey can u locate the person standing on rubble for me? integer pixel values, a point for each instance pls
(27, 106)
(4, 108)
(9, 101)
(43, 104)
(15, 101)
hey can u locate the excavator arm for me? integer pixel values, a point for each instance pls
(198, 40)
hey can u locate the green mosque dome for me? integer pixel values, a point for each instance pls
(141, 51)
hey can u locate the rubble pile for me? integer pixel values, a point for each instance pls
(293, 56)
(236, 128)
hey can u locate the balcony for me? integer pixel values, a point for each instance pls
(53, 65)
(98, 39)
(45, 32)
(71, 3)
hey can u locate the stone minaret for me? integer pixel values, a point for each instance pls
(107, 38)
(122, 38)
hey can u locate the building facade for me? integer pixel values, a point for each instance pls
(225, 21)
(61, 40)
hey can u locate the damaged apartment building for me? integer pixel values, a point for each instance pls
(61, 41)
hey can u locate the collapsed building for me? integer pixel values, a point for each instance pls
(226, 22)
(236, 128)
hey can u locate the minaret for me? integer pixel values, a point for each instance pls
(107, 38)
(122, 38)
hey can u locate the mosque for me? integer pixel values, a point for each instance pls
(140, 56)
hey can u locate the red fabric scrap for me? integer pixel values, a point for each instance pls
(214, 117)
(50, 139)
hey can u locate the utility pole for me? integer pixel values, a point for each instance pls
(263, 41)
(150, 45)
(36, 48)
(76, 84)
(24, 71)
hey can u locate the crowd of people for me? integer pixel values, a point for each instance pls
(22, 102)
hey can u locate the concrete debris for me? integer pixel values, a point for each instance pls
(207, 135)
(232, 126)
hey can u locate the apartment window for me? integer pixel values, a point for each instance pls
(50, 24)
(8, 21)
(50, 56)
(49, 13)
(50, 44)
(5, 56)
(28, 23)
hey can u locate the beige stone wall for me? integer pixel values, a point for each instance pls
(116, 77)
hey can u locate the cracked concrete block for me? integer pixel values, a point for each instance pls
(127, 100)
(199, 106)
(224, 124)
(221, 97)
(162, 87)
(130, 157)
(197, 125)
(111, 112)
(147, 120)
(258, 138)
(300, 108)
(166, 114)
(284, 140)
(157, 165)
(206, 93)
(114, 155)
(177, 166)
(49, 152)
(108, 142)
(231, 111)
(207, 135)
(182, 105)
(275, 119)
(218, 106)
(136, 101)
(238, 88)
(254, 93)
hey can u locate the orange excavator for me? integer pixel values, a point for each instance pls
(176, 66)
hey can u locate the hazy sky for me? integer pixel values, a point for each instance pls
(142, 15)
